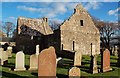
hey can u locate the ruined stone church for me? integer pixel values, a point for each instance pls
(32, 32)
(79, 33)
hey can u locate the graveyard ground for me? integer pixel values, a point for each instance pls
(62, 71)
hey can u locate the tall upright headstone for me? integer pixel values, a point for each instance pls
(77, 58)
(9, 51)
(47, 63)
(20, 61)
(93, 62)
(37, 49)
(118, 60)
(116, 51)
(33, 62)
(74, 72)
(113, 50)
(105, 61)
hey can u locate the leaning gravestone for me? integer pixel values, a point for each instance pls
(19, 63)
(74, 72)
(37, 49)
(47, 63)
(77, 58)
(9, 51)
(105, 61)
(33, 62)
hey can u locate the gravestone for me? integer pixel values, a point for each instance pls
(116, 51)
(47, 63)
(19, 62)
(1, 50)
(59, 61)
(93, 64)
(4, 57)
(105, 61)
(77, 58)
(112, 50)
(74, 72)
(37, 49)
(118, 60)
(33, 62)
(9, 51)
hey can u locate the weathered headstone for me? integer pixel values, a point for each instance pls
(116, 51)
(105, 61)
(9, 51)
(118, 60)
(59, 61)
(77, 58)
(47, 63)
(93, 64)
(3, 56)
(19, 63)
(1, 50)
(74, 72)
(37, 49)
(112, 50)
(33, 62)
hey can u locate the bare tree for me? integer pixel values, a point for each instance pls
(106, 32)
(8, 28)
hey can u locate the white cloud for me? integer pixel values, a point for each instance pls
(92, 5)
(30, 9)
(114, 12)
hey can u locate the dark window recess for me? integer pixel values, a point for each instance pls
(81, 22)
(73, 45)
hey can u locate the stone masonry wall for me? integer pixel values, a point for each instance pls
(81, 37)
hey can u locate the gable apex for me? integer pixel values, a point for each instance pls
(79, 8)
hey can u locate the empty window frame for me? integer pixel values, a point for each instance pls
(81, 22)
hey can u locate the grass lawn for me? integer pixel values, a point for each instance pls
(62, 71)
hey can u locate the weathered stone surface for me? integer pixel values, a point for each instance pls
(3, 56)
(76, 37)
(93, 49)
(33, 26)
(93, 64)
(33, 62)
(9, 51)
(77, 58)
(74, 72)
(20, 61)
(32, 31)
(37, 49)
(47, 63)
(105, 61)
(118, 60)
(112, 50)
(115, 51)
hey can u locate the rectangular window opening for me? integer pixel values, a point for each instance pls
(81, 22)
